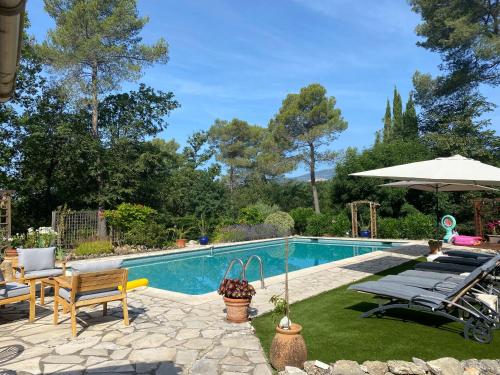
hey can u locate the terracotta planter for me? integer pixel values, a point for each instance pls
(237, 309)
(180, 242)
(435, 247)
(10, 252)
(288, 348)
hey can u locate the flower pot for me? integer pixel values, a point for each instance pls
(10, 252)
(494, 238)
(204, 240)
(288, 348)
(434, 247)
(237, 309)
(365, 233)
(180, 242)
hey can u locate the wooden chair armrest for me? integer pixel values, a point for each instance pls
(63, 283)
(3, 282)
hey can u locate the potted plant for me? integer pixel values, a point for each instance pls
(202, 224)
(364, 230)
(288, 347)
(180, 235)
(493, 226)
(237, 297)
(435, 246)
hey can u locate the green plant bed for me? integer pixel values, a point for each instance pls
(99, 247)
(333, 330)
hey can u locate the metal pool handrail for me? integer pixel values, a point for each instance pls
(261, 268)
(231, 264)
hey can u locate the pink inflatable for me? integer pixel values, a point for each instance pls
(465, 240)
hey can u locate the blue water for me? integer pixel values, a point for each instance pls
(199, 272)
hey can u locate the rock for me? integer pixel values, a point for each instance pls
(290, 370)
(405, 368)
(420, 362)
(311, 369)
(376, 367)
(490, 366)
(445, 366)
(344, 367)
(262, 369)
(472, 371)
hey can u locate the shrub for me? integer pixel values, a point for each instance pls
(319, 224)
(256, 213)
(341, 225)
(99, 247)
(243, 232)
(300, 216)
(149, 234)
(281, 220)
(418, 226)
(128, 215)
(389, 227)
(415, 226)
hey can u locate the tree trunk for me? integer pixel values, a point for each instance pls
(231, 179)
(312, 171)
(95, 102)
(95, 129)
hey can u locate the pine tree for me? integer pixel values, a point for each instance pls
(397, 113)
(387, 122)
(410, 122)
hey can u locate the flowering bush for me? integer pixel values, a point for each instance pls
(242, 232)
(235, 288)
(41, 237)
(493, 226)
(281, 220)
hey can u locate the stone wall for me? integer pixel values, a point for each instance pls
(442, 366)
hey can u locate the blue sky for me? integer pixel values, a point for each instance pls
(235, 58)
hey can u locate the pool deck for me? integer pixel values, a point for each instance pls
(171, 333)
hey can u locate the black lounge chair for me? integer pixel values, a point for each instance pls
(478, 319)
(445, 267)
(433, 281)
(467, 254)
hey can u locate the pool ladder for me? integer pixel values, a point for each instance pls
(244, 267)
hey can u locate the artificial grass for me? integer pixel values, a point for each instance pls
(333, 330)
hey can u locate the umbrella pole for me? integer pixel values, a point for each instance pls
(437, 214)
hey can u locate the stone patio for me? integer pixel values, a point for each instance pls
(169, 333)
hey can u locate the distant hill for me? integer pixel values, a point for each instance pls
(322, 175)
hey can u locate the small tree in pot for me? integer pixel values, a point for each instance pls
(288, 347)
(237, 297)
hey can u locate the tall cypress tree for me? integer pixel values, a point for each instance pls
(387, 122)
(410, 122)
(397, 113)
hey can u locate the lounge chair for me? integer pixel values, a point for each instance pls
(432, 281)
(462, 260)
(480, 320)
(12, 292)
(91, 283)
(37, 265)
(445, 267)
(467, 254)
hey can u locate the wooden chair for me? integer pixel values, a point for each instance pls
(30, 273)
(91, 288)
(12, 292)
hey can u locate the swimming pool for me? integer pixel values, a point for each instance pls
(199, 272)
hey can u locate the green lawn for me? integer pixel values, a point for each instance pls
(333, 330)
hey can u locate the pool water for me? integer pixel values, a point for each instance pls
(200, 272)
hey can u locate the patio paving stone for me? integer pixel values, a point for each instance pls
(167, 335)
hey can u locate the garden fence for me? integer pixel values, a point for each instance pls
(74, 227)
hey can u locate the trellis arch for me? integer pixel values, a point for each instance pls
(373, 217)
(6, 212)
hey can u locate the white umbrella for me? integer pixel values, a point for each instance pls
(437, 186)
(456, 169)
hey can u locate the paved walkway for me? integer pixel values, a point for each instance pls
(168, 334)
